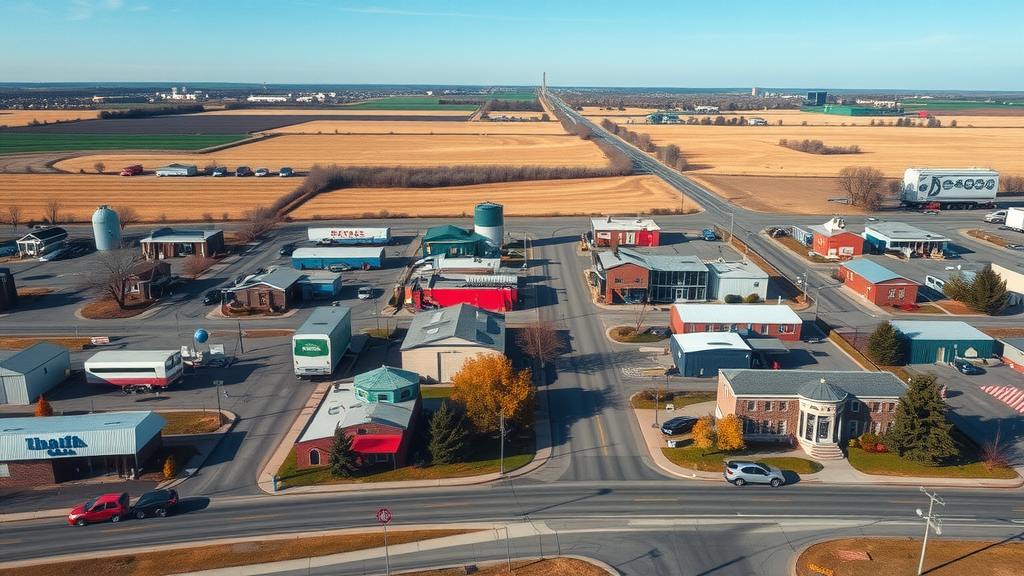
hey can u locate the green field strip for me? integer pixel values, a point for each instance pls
(16, 142)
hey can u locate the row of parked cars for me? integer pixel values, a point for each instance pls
(736, 472)
(115, 507)
(246, 171)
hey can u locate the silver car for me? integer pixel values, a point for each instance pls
(740, 473)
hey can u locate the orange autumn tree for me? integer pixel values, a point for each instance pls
(704, 433)
(488, 384)
(43, 407)
(730, 433)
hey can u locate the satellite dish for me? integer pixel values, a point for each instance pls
(201, 336)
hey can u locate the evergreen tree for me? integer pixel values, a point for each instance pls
(449, 437)
(921, 432)
(342, 460)
(886, 345)
(987, 292)
(170, 468)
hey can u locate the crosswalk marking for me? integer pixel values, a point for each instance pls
(1009, 395)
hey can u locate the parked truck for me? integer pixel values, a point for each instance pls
(132, 170)
(350, 235)
(944, 189)
(1015, 219)
(319, 344)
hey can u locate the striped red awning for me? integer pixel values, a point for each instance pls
(376, 444)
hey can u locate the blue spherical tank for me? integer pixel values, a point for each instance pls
(201, 336)
(106, 227)
(489, 222)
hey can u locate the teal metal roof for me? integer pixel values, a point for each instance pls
(32, 357)
(449, 233)
(872, 272)
(386, 378)
(946, 330)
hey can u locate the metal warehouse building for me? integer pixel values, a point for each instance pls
(931, 342)
(777, 321)
(33, 371)
(42, 241)
(1013, 353)
(703, 354)
(736, 278)
(357, 257)
(903, 238)
(40, 451)
(878, 284)
(453, 241)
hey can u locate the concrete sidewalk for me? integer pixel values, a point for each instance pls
(834, 471)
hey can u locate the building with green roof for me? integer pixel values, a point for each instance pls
(387, 384)
(453, 241)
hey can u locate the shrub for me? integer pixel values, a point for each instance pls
(43, 407)
(752, 299)
(649, 394)
(170, 468)
(733, 299)
(853, 443)
(869, 441)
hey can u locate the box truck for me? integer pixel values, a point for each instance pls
(1015, 219)
(935, 188)
(319, 344)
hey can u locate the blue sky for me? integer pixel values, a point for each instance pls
(933, 45)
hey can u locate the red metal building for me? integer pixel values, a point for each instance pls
(832, 240)
(776, 321)
(878, 284)
(625, 232)
(496, 293)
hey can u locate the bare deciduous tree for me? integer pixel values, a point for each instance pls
(195, 265)
(13, 216)
(640, 311)
(52, 211)
(258, 220)
(127, 216)
(865, 186)
(113, 272)
(541, 341)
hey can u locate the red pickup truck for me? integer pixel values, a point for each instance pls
(132, 170)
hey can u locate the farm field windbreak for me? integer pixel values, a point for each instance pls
(14, 143)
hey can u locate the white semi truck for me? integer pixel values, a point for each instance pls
(941, 189)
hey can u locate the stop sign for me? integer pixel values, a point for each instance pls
(383, 515)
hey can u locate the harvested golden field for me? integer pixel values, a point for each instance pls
(25, 117)
(302, 151)
(755, 150)
(622, 195)
(338, 112)
(784, 195)
(342, 126)
(179, 199)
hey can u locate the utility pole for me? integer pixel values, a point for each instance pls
(501, 431)
(217, 384)
(241, 342)
(732, 221)
(928, 521)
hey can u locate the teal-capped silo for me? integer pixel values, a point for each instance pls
(106, 227)
(489, 222)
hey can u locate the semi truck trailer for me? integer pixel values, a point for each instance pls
(944, 189)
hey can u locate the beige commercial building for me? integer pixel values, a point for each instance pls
(440, 341)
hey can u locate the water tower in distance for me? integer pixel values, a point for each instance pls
(106, 227)
(489, 222)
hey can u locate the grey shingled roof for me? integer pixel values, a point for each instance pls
(790, 382)
(822, 392)
(659, 262)
(460, 321)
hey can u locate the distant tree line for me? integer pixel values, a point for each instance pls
(669, 155)
(151, 111)
(677, 102)
(1011, 184)
(512, 106)
(818, 147)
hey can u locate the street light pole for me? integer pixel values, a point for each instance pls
(732, 221)
(929, 519)
(217, 384)
(501, 431)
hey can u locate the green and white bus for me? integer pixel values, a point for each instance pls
(319, 344)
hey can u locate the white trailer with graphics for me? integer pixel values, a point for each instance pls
(319, 344)
(941, 189)
(350, 235)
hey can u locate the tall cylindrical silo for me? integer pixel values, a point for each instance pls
(489, 222)
(106, 227)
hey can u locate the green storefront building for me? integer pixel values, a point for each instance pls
(931, 342)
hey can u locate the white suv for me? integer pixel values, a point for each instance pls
(997, 217)
(365, 293)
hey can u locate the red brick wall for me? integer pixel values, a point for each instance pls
(628, 274)
(823, 244)
(791, 414)
(867, 416)
(28, 474)
(324, 444)
(878, 294)
(678, 327)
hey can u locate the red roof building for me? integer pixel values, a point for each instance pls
(832, 240)
(878, 284)
(625, 232)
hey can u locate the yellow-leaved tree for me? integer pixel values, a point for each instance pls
(488, 384)
(730, 433)
(704, 433)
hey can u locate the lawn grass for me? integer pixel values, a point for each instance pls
(20, 343)
(893, 556)
(677, 399)
(191, 422)
(195, 558)
(799, 249)
(435, 391)
(107, 309)
(628, 335)
(889, 464)
(687, 455)
(13, 143)
(408, 103)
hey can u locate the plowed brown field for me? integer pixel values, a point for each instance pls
(625, 195)
(336, 112)
(425, 128)
(778, 194)
(180, 199)
(302, 151)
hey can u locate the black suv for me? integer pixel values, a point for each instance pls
(678, 425)
(155, 503)
(212, 297)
